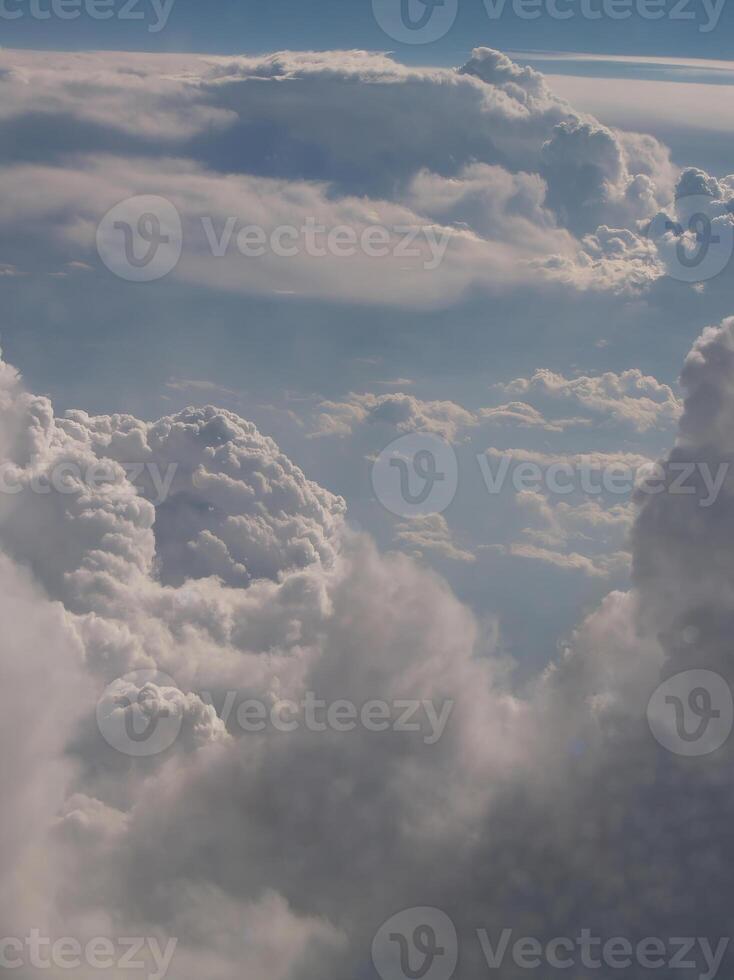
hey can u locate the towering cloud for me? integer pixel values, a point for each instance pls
(546, 812)
(504, 184)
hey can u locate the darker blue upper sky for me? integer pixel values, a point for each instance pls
(255, 26)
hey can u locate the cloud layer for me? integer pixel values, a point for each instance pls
(514, 186)
(544, 811)
(153, 570)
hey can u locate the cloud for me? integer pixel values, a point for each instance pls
(45, 694)
(560, 790)
(200, 385)
(500, 206)
(610, 260)
(526, 417)
(430, 533)
(588, 460)
(547, 806)
(564, 529)
(694, 237)
(631, 397)
(502, 184)
(651, 105)
(406, 413)
(600, 567)
(239, 508)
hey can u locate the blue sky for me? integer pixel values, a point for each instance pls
(236, 26)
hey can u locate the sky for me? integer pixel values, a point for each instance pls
(689, 29)
(375, 362)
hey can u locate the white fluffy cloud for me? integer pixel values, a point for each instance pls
(505, 184)
(431, 534)
(405, 412)
(554, 793)
(627, 400)
(524, 416)
(630, 398)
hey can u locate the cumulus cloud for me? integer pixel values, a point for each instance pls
(239, 507)
(404, 412)
(694, 235)
(630, 398)
(491, 110)
(503, 184)
(559, 793)
(609, 260)
(545, 807)
(588, 460)
(559, 531)
(432, 534)
(45, 695)
(575, 510)
(524, 416)
(587, 168)
(600, 567)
